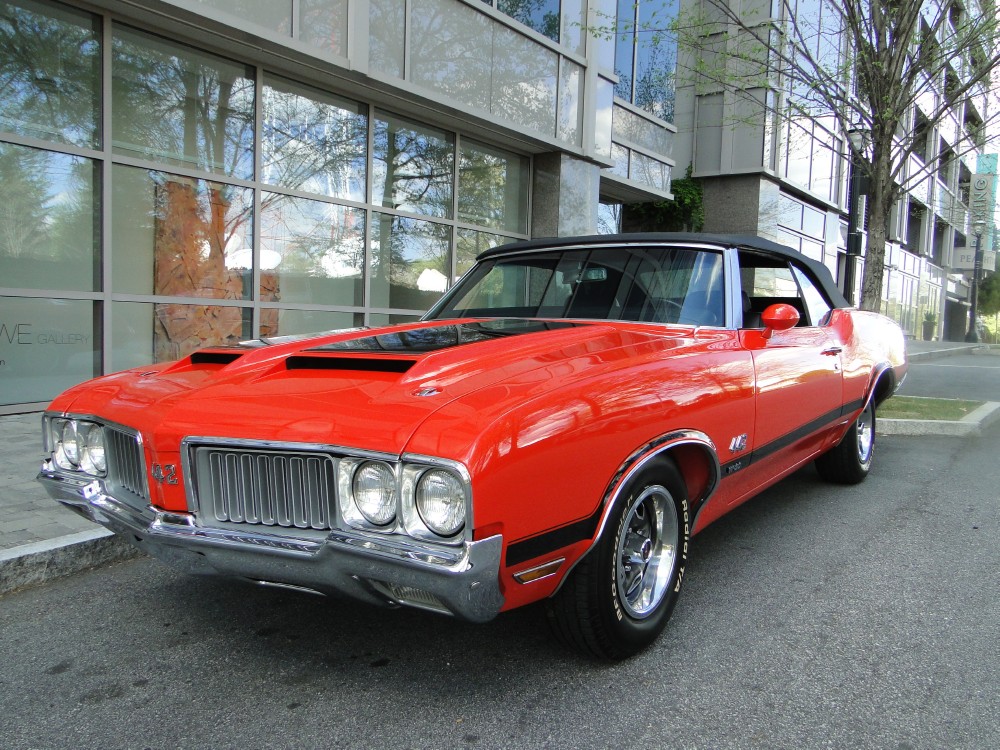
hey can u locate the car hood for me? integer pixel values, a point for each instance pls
(367, 389)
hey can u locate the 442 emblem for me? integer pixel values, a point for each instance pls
(165, 473)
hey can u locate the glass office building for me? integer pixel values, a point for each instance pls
(181, 174)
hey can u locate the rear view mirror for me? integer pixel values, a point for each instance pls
(594, 273)
(779, 317)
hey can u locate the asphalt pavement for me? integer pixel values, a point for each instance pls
(41, 540)
(815, 617)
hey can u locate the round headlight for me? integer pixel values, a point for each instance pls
(93, 459)
(375, 492)
(440, 501)
(67, 448)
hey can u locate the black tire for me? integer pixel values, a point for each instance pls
(619, 597)
(850, 461)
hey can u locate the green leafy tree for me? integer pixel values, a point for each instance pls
(685, 213)
(989, 295)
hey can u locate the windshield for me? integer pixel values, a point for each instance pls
(656, 285)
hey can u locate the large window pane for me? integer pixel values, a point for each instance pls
(180, 237)
(625, 49)
(311, 252)
(524, 81)
(386, 24)
(324, 25)
(493, 188)
(604, 98)
(413, 167)
(540, 15)
(50, 72)
(48, 220)
(294, 322)
(46, 345)
(313, 142)
(469, 244)
(410, 263)
(655, 60)
(180, 106)
(649, 171)
(144, 333)
(799, 155)
(574, 23)
(452, 50)
(387, 319)
(570, 95)
(275, 15)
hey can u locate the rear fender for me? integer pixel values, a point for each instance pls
(881, 385)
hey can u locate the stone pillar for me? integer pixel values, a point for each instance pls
(742, 204)
(565, 194)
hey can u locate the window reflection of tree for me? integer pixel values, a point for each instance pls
(49, 72)
(492, 188)
(414, 168)
(47, 219)
(482, 63)
(184, 107)
(404, 249)
(312, 142)
(646, 56)
(540, 15)
(319, 249)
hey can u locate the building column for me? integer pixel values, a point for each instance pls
(565, 194)
(742, 204)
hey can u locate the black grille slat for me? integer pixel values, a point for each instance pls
(267, 488)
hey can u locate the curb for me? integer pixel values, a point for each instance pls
(40, 562)
(942, 353)
(971, 424)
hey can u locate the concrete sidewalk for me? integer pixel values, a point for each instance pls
(41, 540)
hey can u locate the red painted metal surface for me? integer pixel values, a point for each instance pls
(545, 422)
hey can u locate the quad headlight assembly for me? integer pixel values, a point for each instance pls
(428, 501)
(76, 445)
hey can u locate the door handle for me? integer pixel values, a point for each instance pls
(832, 351)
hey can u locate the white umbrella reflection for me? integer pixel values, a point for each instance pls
(243, 258)
(432, 280)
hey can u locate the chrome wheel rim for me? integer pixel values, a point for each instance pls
(866, 434)
(647, 551)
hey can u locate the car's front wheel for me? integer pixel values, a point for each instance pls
(620, 596)
(850, 461)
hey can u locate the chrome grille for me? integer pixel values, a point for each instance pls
(272, 488)
(126, 467)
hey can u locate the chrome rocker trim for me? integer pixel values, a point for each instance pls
(461, 580)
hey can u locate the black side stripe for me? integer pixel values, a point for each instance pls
(550, 541)
(578, 531)
(794, 436)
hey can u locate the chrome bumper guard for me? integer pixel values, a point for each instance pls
(462, 581)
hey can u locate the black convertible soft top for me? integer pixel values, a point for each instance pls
(820, 273)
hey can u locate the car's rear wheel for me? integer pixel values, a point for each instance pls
(850, 461)
(620, 596)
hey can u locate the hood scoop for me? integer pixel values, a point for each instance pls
(209, 357)
(349, 364)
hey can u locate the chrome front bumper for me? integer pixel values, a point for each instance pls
(462, 581)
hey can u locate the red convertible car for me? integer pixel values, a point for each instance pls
(556, 428)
